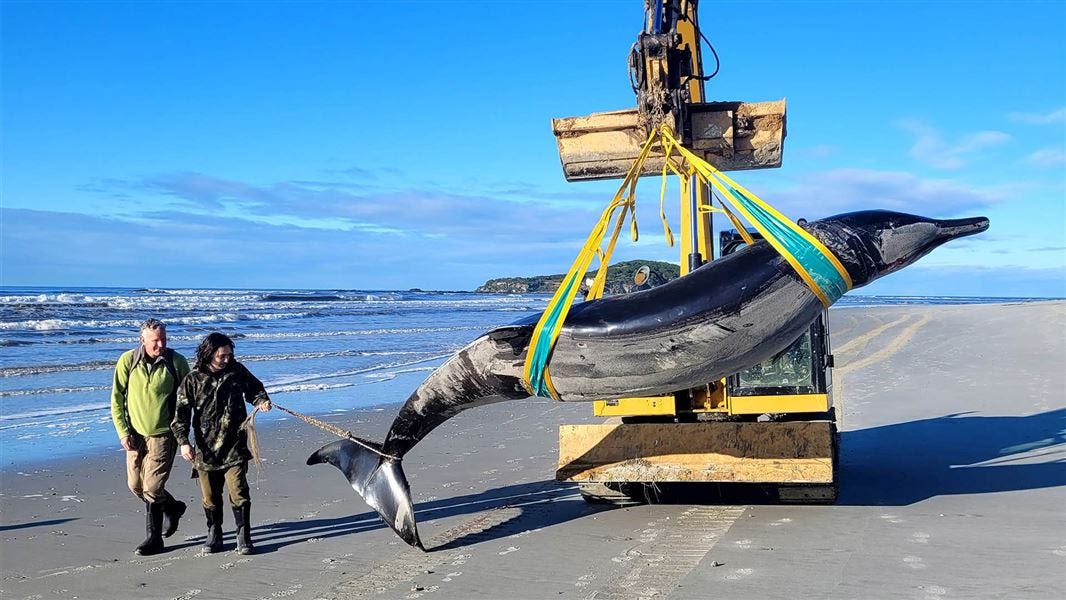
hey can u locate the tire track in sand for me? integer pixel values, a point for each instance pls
(862, 340)
(449, 550)
(670, 548)
(893, 346)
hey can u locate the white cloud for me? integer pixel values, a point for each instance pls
(1047, 157)
(930, 148)
(818, 151)
(421, 211)
(1055, 116)
(182, 249)
(841, 190)
(177, 250)
(515, 229)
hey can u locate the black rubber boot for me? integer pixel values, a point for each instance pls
(213, 541)
(172, 511)
(153, 544)
(244, 535)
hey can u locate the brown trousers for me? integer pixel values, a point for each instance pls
(235, 479)
(148, 467)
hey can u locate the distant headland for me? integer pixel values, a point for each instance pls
(620, 279)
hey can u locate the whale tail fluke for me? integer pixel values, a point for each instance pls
(378, 479)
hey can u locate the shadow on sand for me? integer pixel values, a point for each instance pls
(904, 463)
(532, 505)
(49, 523)
(896, 464)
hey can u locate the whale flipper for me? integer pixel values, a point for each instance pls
(378, 479)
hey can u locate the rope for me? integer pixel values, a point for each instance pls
(253, 439)
(253, 445)
(249, 424)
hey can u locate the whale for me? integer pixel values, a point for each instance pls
(721, 318)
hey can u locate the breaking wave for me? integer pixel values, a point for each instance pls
(53, 412)
(101, 365)
(73, 324)
(62, 389)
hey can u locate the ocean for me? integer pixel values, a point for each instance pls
(317, 351)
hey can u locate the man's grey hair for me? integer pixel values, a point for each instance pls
(152, 325)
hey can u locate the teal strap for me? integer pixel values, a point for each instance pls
(816, 264)
(539, 353)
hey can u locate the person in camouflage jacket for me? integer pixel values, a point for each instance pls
(212, 403)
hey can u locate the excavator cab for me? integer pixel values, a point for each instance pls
(801, 371)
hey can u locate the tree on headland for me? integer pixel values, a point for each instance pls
(620, 279)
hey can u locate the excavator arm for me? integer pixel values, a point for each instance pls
(665, 66)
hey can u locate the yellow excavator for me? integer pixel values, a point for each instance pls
(773, 424)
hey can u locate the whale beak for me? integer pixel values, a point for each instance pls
(950, 229)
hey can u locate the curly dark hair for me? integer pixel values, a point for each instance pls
(207, 348)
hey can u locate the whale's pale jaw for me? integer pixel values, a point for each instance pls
(923, 236)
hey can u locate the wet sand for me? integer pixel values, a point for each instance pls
(952, 485)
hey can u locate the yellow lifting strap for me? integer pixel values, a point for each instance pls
(535, 377)
(707, 208)
(814, 263)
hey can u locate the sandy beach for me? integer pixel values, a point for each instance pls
(952, 485)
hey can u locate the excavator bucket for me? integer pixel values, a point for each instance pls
(732, 136)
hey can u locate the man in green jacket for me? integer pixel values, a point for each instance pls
(143, 397)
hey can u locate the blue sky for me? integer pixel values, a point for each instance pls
(391, 145)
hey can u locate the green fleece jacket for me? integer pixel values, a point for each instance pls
(140, 390)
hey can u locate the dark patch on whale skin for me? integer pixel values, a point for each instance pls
(484, 372)
(857, 253)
